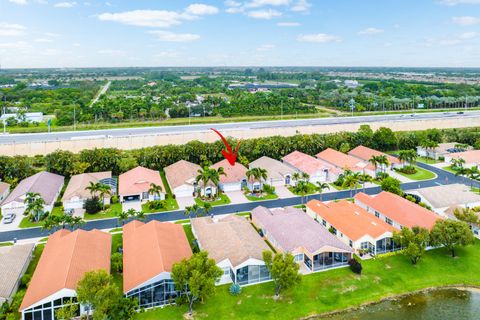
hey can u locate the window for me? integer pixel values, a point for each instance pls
(226, 271)
(341, 235)
(350, 243)
(377, 214)
(299, 257)
(389, 221)
(324, 223)
(333, 230)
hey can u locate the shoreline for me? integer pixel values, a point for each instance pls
(326, 315)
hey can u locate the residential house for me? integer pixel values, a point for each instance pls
(291, 230)
(181, 178)
(28, 116)
(471, 157)
(65, 260)
(47, 184)
(442, 151)
(278, 173)
(396, 211)
(149, 252)
(354, 226)
(4, 190)
(317, 170)
(450, 214)
(235, 246)
(235, 178)
(134, 185)
(14, 262)
(342, 161)
(76, 192)
(365, 154)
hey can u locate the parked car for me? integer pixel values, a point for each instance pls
(9, 218)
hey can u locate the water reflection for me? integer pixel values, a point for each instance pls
(434, 305)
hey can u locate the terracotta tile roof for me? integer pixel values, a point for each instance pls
(66, 258)
(350, 219)
(341, 160)
(235, 173)
(292, 228)
(45, 183)
(231, 237)
(472, 156)
(276, 169)
(3, 187)
(13, 261)
(150, 249)
(365, 153)
(305, 162)
(400, 210)
(78, 184)
(138, 180)
(181, 172)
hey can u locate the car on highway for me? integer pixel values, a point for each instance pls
(8, 218)
(460, 112)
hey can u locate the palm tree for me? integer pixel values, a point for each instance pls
(374, 161)
(305, 176)
(103, 191)
(302, 189)
(351, 182)
(320, 187)
(215, 177)
(204, 175)
(296, 177)
(429, 145)
(383, 161)
(207, 207)
(192, 210)
(403, 156)
(34, 206)
(155, 190)
(258, 174)
(123, 216)
(457, 163)
(93, 187)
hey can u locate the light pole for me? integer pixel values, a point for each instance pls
(74, 118)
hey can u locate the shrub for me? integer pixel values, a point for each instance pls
(407, 170)
(58, 204)
(235, 289)
(355, 266)
(157, 204)
(441, 158)
(268, 189)
(117, 262)
(25, 280)
(114, 199)
(92, 205)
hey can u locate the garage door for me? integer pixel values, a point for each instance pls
(232, 187)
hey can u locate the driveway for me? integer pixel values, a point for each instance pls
(283, 192)
(135, 205)
(185, 202)
(236, 197)
(12, 226)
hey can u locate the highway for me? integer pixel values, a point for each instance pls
(443, 177)
(159, 130)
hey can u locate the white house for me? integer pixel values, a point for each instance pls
(4, 190)
(181, 178)
(317, 170)
(235, 177)
(278, 173)
(133, 185)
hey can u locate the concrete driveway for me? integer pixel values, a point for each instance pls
(12, 226)
(135, 205)
(236, 197)
(185, 202)
(283, 192)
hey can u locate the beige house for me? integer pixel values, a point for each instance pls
(278, 173)
(76, 192)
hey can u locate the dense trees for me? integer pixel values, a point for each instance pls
(451, 234)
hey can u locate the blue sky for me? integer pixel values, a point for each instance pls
(65, 33)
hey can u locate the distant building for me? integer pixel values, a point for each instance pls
(29, 116)
(443, 150)
(351, 84)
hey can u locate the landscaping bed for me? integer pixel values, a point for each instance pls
(420, 174)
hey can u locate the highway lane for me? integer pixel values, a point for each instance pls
(443, 177)
(159, 130)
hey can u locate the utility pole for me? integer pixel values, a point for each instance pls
(74, 118)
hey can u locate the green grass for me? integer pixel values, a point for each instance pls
(182, 221)
(312, 189)
(223, 199)
(115, 230)
(171, 205)
(187, 228)
(421, 174)
(428, 160)
(336, 289)
(117, 242)
(268, 196)
(6, 244)
(26, 223)
(111, 212)
(449, 169)
(342, 188)
(243, 214)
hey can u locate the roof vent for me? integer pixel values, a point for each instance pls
(374, 223)
(356, 212)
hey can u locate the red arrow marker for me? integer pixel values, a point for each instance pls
(228, 154)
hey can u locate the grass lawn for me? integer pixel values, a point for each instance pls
(427, 160)
(268, 196)
(341, 188)
(111, 212)
(421, 174)
(26, 223)
(171, 205)
(6, 244)
(312, 189)
(187, 228)
(336, 289)
(223, 199)
(117, 242)
(449, 169)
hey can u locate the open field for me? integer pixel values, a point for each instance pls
(336, 289)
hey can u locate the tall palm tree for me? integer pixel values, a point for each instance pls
(215, 177)
(93, 187)
(104, 190)
(122, 217)
(155, 189)
(258, 174)
(351, 182)
(374, 161)
(296, 177)
(204, 175)
(302, 189)
(34, 206)
(193, 209)
(305, 176)
(383, 161)
(207, 207)
(320, 187)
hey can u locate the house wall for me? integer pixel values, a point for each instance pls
(4, 194)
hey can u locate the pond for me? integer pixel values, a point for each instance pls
(438, 304)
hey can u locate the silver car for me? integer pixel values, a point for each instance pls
(9, 218)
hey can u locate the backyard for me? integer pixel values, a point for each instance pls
(336, 289)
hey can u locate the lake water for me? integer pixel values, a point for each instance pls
(434, 305)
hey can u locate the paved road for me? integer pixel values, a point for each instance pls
(443, 177)
(102, 92)
(69, 135)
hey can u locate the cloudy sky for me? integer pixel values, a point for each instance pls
(57, 33)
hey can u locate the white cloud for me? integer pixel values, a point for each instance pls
(301, 6)
(288, 24)
(466, 20)
(19, 2)
(264, 14)
(43, 40)
(458, 2)
(318, 37)
(76, 44)
(232, 3)
(266, 47)
(370, 31)
(51, 34)
(262, 3)
(199, 9)
(14, 45)
(235, 10)
(112, 52)
(174, 37)
(66, 4)
(468, 35)
(11, 29)
(144, 18)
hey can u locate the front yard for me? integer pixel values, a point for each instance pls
(312, 189)
(111, 212)
(336, 289)
(171, 204)
(26, 223)
(222, 199)
(266, 196)
(421, 174)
